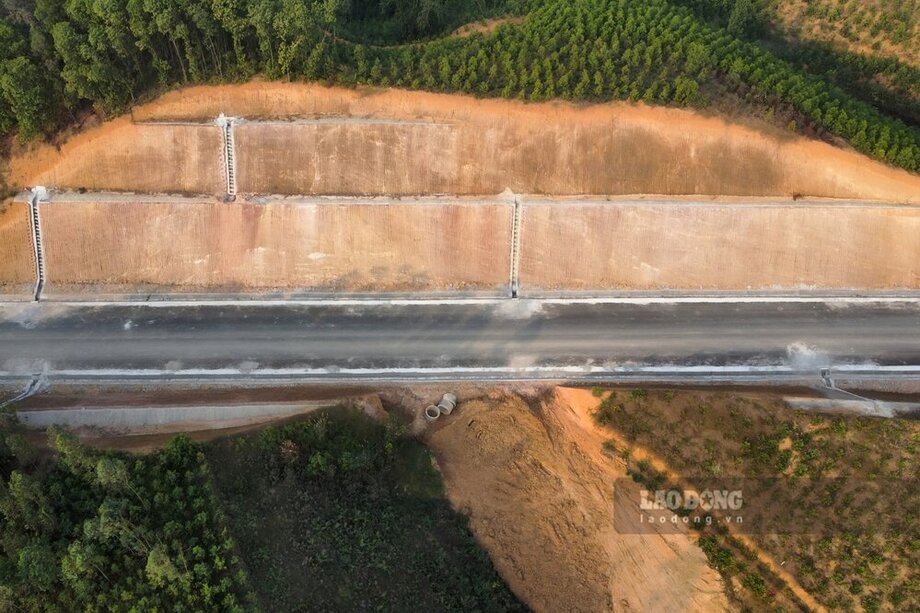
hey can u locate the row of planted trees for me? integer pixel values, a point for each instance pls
(68, 51)
(621, 49)
(88, 530)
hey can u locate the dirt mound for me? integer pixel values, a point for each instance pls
(540, 496)
(485, 27)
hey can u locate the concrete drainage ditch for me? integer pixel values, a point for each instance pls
(445, 407)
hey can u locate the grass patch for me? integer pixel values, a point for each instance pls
(337, 512)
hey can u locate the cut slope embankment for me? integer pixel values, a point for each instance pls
(584, 245)
(400, 142)
(122, 155)
(122, 245)
(17, 262)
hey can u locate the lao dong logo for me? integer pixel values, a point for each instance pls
(691, 500)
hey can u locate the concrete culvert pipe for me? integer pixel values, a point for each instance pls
(447, 404)
(432, 413)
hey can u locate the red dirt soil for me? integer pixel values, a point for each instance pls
(482, 146)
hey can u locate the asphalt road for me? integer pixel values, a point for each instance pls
(513, 339)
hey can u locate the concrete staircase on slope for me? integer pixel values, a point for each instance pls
(516, 247)
(38, 194)
(226, 125)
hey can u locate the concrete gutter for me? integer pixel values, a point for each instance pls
(866, 408)
(167, 419)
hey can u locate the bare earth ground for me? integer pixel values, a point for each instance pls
(792, 14)
(486, 27)
(452, 144)
(540, 496)
(17, 266)
(526, 463)
(127, 247)
(124, 156)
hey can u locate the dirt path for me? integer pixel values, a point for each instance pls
(539, 492)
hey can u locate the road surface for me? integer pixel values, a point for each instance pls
(503, 340)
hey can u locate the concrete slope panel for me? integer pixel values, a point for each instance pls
(700, 246)
(348, 157)
(17, 262)
(402, 142)
(208, 246)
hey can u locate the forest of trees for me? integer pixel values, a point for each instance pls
(94, 531)
(332, 512)
(57, 56)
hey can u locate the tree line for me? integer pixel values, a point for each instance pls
(60, 54)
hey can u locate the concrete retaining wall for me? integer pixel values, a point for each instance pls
(191, 245)
(576, 245)
(17, 262)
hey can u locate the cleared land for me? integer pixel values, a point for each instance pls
(124, 156)
(878, 27)
(131, 246)
(539, 493)
(578, 245)
(17, 265)
(463, 146)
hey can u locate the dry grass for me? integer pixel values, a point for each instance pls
(852, 481)
(879, 27)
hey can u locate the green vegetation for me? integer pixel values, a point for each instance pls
(59, 55)
(885, 82)
(101, 531)
(340, 513)
(335, 512)
(841, 491)
(390, 22)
